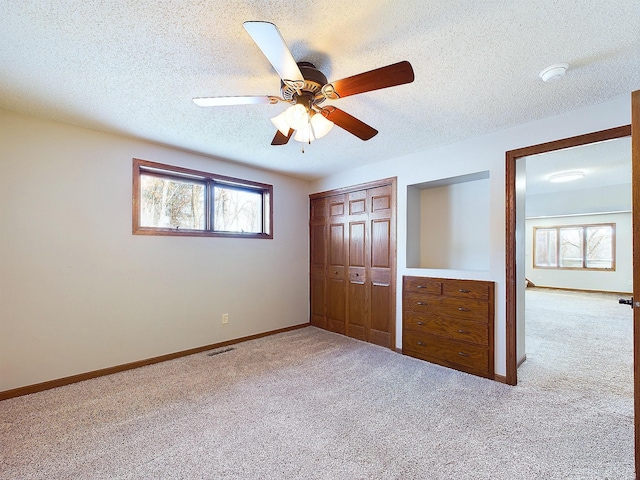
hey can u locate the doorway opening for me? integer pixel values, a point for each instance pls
(515, 230)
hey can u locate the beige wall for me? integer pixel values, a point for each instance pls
(79, 292)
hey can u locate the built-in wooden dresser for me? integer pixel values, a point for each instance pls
(449, 322)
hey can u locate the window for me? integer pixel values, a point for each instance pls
(177, 201)
(590, 247)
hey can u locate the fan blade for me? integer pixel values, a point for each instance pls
(389, 76)
(281, 139)
(349, 123)
(268, 38)
(242, 100)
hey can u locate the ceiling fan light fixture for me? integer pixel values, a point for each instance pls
(297, 116)
(305, 134)
(563, 177)
(320, 125)
(280, 121)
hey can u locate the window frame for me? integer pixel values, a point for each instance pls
(172, 172)
(584, 227)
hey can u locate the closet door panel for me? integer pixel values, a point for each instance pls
(336, 245)
(336, 298)
(357, 203)
(382, 256)
(318, 213)
(318, 251)
(381, 283)
(318, 313)
(380, 243)
(379, 332)
(336, 305)
(356, 324)
(357, 308)
(318, 260)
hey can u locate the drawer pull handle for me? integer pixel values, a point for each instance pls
(462, 290)
(463, 354)
(421, 286)
(422, 344)
(420, 323)
(463, 331)
(421, 303)
(463, 309)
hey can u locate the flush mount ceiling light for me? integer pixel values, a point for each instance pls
(563, 177)
(554, 72)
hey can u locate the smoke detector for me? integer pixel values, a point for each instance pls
(554, 72)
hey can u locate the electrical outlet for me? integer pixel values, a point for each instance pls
(225, 318)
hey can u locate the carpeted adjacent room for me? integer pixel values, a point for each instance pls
(316, 405)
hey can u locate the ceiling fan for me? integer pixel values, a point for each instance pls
(306, 89)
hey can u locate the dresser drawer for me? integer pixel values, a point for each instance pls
(422, 285)
(472, 358)
(475, 310)
(467, 289)
(450, 328)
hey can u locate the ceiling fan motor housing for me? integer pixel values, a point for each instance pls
(314, 80)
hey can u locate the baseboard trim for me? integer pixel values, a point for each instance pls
(522, 360)
(60, 382)
(567, 289)
(500, 378)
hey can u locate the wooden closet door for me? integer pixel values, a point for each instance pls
(318, 236)
(382, 228)
(353, 235)
(357, 278)
(336, 295)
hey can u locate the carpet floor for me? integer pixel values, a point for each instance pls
(309, 404)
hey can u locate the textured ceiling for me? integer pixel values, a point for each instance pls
(132, 67)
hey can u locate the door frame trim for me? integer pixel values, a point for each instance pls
(355, 188)
(512, 156)
(635, 178)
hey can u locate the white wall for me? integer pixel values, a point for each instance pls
(478, 154)
(610, 198)
(455, 226)
(79, 292)
(619, 280)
